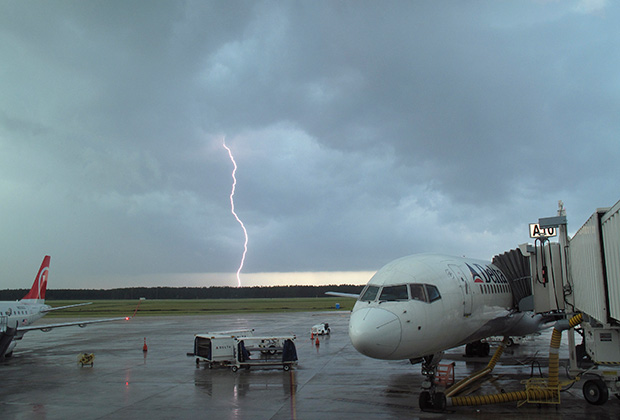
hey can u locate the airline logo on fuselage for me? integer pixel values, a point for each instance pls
(42, 280)
(486, 274)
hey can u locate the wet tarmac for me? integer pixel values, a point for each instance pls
(332, 381)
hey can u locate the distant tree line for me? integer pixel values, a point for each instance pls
(215, 292)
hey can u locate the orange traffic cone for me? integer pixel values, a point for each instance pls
(144, 347)
(316, 343)
(311, 336)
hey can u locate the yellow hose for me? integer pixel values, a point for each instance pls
(554, 349)
(489, 399)
(529, 394)
(464, 382)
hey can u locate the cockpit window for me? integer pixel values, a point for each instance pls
(417, 292)
(433, 293)
(370, 293)
(394, 293)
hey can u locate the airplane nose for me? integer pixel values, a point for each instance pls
(375, 332)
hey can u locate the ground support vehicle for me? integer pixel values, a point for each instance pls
(321, 329)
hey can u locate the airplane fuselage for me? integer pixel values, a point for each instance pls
(424, 304)
(16, 314)
(16, 318)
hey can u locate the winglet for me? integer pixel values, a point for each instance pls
(37, 292)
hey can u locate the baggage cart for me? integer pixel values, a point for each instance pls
(264, 352)
(239, 351)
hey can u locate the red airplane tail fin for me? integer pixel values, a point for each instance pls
(37, 292)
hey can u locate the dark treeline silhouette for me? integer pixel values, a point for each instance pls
(186, 292)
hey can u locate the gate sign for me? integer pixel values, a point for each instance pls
(536, 231)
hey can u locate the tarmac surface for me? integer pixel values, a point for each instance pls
(331, 381)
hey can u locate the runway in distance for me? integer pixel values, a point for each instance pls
(16, 317)
(418, 306)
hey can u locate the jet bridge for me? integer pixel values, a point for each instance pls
(516, 267)
(582, 275)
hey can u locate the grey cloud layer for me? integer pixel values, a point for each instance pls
(363, 131)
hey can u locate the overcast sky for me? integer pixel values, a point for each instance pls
(363, 131)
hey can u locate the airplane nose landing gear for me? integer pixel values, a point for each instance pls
(431, 399)
(432, 402)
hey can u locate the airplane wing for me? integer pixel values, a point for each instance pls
(49, 327)
(82, 324)
(345, 295)
(65, 307)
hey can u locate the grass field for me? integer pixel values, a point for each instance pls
(112, 308)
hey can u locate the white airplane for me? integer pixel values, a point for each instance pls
(16, 317)
(417, 307)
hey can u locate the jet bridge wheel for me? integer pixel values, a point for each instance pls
(595, 391)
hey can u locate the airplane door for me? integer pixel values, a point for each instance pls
(465, 288)
(3, 321)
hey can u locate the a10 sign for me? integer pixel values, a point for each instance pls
(536, 231)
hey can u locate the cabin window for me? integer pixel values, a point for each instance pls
(417, 292)
(433, 293)
(394, 293)
(370, 293)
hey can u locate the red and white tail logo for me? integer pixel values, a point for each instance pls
(37, 292)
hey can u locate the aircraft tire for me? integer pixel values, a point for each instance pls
(439, 401)
(483, 350)
(595, 391)
(234, 368)
(425, 401)
(468, 350)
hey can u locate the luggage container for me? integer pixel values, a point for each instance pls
(217, 347)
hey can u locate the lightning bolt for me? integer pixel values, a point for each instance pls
(232, 209)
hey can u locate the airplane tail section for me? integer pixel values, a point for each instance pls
(37, 292)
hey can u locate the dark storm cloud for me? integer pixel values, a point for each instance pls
(363, 131)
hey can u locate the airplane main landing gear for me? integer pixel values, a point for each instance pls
(430, 398)
(477, 348)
